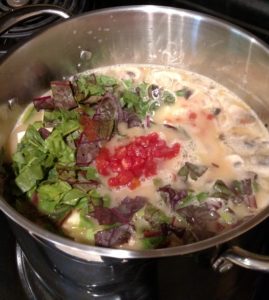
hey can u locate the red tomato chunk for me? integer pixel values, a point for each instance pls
(134, 161)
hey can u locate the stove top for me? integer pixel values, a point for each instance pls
(28, 27)
(173, 277)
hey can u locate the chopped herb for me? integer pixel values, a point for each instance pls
(184, 92)
(91, 173)
(192, 170)
(221, 190)
(105, 80)
(168, 97)
(152, 242)
(190, 198)
(72, 197)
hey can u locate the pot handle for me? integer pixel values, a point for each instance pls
(17, 15)
(240, 257)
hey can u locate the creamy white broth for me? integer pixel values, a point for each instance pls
(221, 141)
(205, 133)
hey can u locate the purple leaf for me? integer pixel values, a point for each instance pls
(46, 102)
(104, 215)
(128, 207)
(172, 196)
(113, 237)
(130, 118)
(108, 108)
(214, 203)
(44, 132)
(250, 201)
(86, 151)
(246, 186)
(63, 94)
(201, 221)
(169, 228)
(122, 213)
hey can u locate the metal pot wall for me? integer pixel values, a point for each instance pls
(134, 34)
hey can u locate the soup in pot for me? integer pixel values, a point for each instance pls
(139, 157)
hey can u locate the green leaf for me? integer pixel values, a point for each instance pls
(83, 205)
(94, 90)
(86, 222)
(255, 186)
(59, 149)
(143, 90)
(92, 174)
(237, 187)
(190, 198)
(50, 195)
(72, 196)
(53, 175)
(28, 178)
(96, 198)
(202, 196)
(68, 127)
(89, 86)
(152, 242)
(183, 172)
(221, 190)
(59, 211)
(33, 138)
(59, 116)
(127, 83)
(106, 201)
(89, 225)
(184, 92)
(168, 97)
(155, 216)
(105, 80)
(228, 217)
(192, 170)
(18, 161)
(133, 100)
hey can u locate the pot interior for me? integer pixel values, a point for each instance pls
(137, 35)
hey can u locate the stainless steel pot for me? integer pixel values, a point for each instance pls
(136, 34)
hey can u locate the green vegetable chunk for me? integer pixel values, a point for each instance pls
(29, 176)
(51, 194)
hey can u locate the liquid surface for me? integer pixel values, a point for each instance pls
(218, 178)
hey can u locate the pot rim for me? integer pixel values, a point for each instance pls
(59, 241)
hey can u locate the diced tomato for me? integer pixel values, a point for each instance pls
(114, 181)
(150, 168)
(153, 137)
(102, 162)
(137, 160)
(126, 163)
(134, 183)
(125, 177)
(121, 152)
